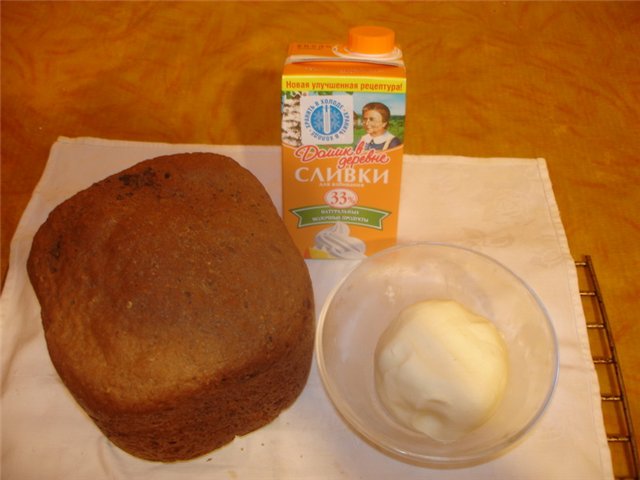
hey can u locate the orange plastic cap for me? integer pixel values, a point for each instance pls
(371, 40)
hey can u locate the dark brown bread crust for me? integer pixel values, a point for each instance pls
(175, 306)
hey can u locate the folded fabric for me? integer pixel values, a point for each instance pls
(502, 207)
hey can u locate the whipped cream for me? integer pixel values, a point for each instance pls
(441, 369)
(337, 242)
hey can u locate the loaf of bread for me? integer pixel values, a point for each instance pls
(176, 308)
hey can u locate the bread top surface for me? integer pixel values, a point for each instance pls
(176, 271)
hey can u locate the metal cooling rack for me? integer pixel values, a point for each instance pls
(615, 405)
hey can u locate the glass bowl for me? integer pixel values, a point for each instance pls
(373, 294)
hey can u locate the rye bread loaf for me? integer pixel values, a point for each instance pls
(175, 307)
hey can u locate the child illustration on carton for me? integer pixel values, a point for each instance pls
(375, 120)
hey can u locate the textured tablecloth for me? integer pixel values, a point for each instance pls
(503, 207)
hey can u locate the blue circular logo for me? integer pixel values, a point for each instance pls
(326, 119)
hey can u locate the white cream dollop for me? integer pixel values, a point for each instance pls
(338, 243)
(441, 369)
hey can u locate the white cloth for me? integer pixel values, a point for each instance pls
(500, 206)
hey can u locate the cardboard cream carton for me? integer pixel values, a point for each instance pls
(343, 111)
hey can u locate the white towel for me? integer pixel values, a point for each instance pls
(503, 207)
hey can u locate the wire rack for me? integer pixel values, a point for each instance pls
(615, 405)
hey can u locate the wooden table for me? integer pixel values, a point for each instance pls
(553, 80)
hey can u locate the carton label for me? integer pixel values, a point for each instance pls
(342, 150)
(327, 120)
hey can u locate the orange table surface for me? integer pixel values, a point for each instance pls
(553, 80)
